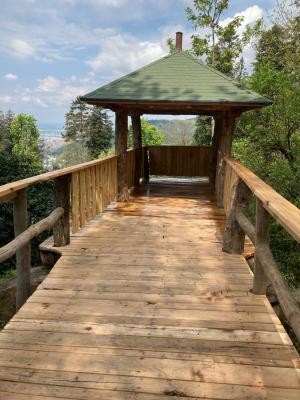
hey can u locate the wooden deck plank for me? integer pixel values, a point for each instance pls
(144, 305)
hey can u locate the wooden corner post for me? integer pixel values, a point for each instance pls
(225, 142)
(260, 281)
(23, 255)
(234, 235)
(62, 193)
(137, 144)
(218, 126)
(121, 151)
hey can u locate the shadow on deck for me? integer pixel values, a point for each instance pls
(143, 304)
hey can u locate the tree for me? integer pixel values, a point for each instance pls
(222, 46)
(268, 140)
(89, 126)
(151, 135)
(20, 157)
(202, 133)
(73, 153)
(25, 141)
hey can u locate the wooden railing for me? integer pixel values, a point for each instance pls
(80, 193)
(240, 184)
(180, 160)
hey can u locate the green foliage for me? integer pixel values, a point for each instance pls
(107, 153)
(73, 153)
(268, 140)
(151, 135)
(19, 158)
(177, 132)
(89, 126)
(222, 46)
(202, 134)
(25, 141)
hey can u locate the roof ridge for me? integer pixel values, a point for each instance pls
(130, 74)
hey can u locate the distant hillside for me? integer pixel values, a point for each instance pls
(178, 132)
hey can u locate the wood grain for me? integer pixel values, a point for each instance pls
(143, 304)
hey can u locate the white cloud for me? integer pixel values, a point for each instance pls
(107, 3)
(6, 99)
(49, 84)
(10, 77)
(250, 15)
(21, 49)
(123, 53)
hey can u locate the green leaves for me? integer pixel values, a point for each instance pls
(89, 126)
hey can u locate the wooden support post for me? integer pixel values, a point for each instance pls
(146, 165)
(23, 255)
(61, 231)
(234, 236)
(215, 146)
(224, 150)
(260, 281)
(137, 144)
(121, 127)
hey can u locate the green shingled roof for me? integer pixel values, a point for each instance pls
(176, 78)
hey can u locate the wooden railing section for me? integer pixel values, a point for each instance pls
(180, 160)
(240, 184)
(80, 193)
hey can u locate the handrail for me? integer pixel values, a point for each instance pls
(25, 237)
(80, 193)
(280, 208)
(12, 187)
(239, 180)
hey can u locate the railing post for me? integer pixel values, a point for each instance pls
(23, 255)
(260, 281)
(121, 128)
(225, 141)
(61, 230)
(234, 236)
(137, 144)
(146, 165)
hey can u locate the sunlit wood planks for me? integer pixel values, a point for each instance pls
(143, 304)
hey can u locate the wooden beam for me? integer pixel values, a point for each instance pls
(146, 165)
(215, 146)
(234, 236)
(137, 144)
(23, 254)
(227, 128)
(62, 194)
(260, 281)
(121, 127)
(25, 237)
(286, 213)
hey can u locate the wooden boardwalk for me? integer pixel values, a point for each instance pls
(144, 305)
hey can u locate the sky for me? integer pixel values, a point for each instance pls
(52, 51)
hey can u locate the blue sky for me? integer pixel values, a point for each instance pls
(54, 50)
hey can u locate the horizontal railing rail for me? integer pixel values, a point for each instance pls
(80, 193)
(240, 184)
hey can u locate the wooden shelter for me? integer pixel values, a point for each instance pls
(153, 299)
(175, 84)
